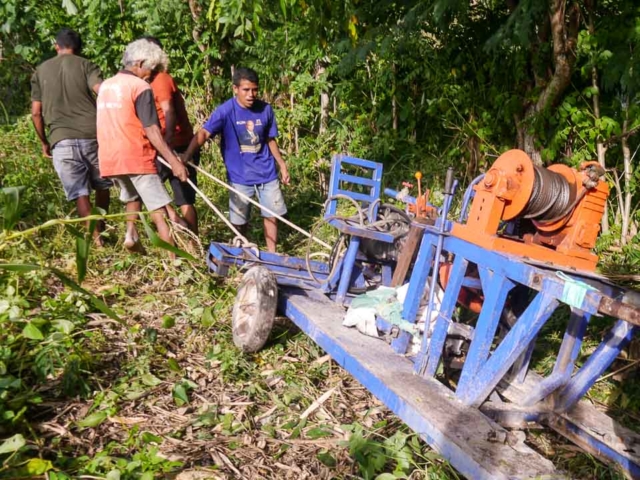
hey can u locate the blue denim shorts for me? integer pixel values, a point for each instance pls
(76, 163)
(268, 195)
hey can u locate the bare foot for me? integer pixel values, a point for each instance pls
(133, 245)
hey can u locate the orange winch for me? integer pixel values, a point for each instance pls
(564, 205)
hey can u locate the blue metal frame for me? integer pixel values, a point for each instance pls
(498, 356)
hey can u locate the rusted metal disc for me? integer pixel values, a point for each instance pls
(518, 167)
(255, 309)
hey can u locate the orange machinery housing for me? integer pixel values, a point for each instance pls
(564, 204)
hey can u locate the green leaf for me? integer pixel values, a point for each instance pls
(64, 326)
(99, 304)
(148, 437)
(12, 444)
(113, 475)
(151, 334)
(180, 395)
(168, 321)
(147, 476)
(156, 241)
(386, 476)
(150, 380)
(38, 466)
(319, 432)
(207, 319)
(93, 420)
(10, 206)
(83, 245)
(20, 268)
(327, 459)
(32, 332)
(173, 365)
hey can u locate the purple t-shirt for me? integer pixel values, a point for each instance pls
(245, 133)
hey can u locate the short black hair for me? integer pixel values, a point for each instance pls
(67, 38)
(243, 73)
(152, 39)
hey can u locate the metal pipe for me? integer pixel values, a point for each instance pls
(449, 188)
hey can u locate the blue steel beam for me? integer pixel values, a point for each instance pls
(496, 288)
(596, 364)
(462, 435)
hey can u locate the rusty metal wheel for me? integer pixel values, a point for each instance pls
(255, 309)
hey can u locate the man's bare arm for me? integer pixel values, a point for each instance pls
(275, 151)
(38, 123)
(155, 137)
(197, 141)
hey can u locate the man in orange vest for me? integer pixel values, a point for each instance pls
(178, 132)
(129, 138)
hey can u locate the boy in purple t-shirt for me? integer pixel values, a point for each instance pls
(250, 152)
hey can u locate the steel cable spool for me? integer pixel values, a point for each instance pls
(551, 196)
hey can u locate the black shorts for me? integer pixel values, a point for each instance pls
(183, 193)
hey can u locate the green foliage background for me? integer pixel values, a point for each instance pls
(415, 84)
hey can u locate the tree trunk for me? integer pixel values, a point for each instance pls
(324, 100)
(626, 158)
(394, 101)
(563, 26)
(601, 150)
(295, 129)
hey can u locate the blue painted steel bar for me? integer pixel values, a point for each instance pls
(596, 364)
(336, 172)
(358, 231)
(513, 344)
(496, 288)
(568, 354)
(521, 366)
(361, 197)
(402, 198)
(468, 195)
(431, 348)
(472, 283)
(387, 275)
(592, 443)
(343, 177)
(359, 162)
(347, 269)
(415, 293)
(449, 189)
(461, 435)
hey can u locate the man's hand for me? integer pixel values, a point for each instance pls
(284, 174)
(183, 157)
(179, 170)
(46, 150)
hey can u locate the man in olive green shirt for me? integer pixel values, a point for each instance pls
(62, 97)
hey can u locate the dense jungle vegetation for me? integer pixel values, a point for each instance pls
(120, 366)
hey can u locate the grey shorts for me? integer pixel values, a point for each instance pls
(147, 187)
(268, 194)
(76, 163)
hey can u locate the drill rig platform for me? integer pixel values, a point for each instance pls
(489, 282)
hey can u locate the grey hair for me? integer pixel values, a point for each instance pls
(150, 54)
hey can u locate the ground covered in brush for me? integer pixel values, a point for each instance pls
(152, 386)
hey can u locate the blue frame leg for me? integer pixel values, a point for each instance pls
(417, 283)
(496, 288)
(569, 351)
(431, 348)
(596, 364)
(511, 347)
(347, 269)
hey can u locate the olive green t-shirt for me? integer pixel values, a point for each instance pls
(64, 86)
